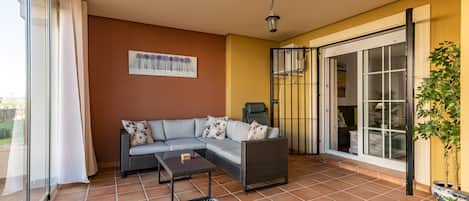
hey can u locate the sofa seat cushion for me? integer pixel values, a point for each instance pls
(184, 143)
(226, 148)
(155, 147)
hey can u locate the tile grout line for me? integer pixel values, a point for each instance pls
(143, 188)
(87, 190)
(345, 189)
(197, 187)
(390, 190)
(115, 186)
(298, 197)
(227, 190)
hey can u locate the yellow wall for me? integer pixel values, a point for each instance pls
(247, 72)
(445, 25)
(465, 96)
(248, 61)
(369, 16)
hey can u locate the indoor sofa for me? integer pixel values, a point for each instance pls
(249, 162)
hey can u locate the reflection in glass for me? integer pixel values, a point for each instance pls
(374, 87)
(375, 114)
(398, 116)
(385, 104)
(398, 146)
(398, 85)
(375, 143)
(375, 59)
(398, 58)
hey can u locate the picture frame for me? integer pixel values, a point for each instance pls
(159, 64)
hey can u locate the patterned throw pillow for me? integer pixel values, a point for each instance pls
(257, 131)
(140, 132)
(216, 128)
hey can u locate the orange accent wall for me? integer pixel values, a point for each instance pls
(116, 95)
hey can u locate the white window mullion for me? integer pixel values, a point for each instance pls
(389, 98)
(366, 108)
(383, 137)
(361, 104)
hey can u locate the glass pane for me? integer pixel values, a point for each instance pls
(375, 58)
(386, 86)
(398, 58)
(343, 135)
(375, 143)
(39, 101)
(13, 144)
(386, 58)
(386, 114)
(398, 120)
(375, 114)
(374, 87)
(398, 85)
(398, 146)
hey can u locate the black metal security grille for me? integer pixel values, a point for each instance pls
(291, 82)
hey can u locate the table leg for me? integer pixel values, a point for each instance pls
(209, 184)
(172, 189)
(159, 175)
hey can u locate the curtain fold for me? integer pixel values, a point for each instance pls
(76, 159)
(91, 164)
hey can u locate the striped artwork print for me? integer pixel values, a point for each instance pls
(157, 64)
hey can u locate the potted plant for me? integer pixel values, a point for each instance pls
(438, 105)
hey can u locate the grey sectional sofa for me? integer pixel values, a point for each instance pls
(249, 162)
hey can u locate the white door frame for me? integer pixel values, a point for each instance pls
(388, 38)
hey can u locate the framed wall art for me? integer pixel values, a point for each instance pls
(158, 64)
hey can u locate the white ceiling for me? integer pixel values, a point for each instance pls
(243, 17)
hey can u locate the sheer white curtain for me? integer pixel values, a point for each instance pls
(70, 139)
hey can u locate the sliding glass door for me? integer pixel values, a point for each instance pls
(39, 99)
(13, 101)
(364, 83)
(384, 102)
(25, 99)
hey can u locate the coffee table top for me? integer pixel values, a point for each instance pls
(171, 162)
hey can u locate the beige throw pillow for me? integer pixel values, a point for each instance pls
(216, 128)
(257, 131)
(140, 132)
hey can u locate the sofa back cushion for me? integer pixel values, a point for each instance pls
(174, 129)
(237, 130)
(273, 132)
(200, 125)
(157, 129)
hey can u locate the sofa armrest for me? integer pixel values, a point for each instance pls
(124, 151)
(264, 160)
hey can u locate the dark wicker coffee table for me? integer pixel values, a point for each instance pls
(178, 170)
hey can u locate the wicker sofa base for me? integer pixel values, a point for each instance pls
(262, 161)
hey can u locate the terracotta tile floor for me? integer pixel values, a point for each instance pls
(310, 179)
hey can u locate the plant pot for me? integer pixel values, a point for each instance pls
(442, 193)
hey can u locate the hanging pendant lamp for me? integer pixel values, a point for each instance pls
(272, 18)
